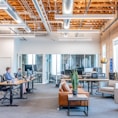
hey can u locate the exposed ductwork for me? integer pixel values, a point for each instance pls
(67, 10)
(40, 9)
(14, 15)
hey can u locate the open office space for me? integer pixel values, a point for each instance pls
(59, 58)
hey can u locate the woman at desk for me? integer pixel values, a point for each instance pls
(94, 73)
(19, 74)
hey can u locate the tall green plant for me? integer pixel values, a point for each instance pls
(74, 79)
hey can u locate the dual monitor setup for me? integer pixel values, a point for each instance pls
(88, 71)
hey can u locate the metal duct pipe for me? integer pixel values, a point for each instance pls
(68, 6)
(66, 24)
(40, 12)
(67, 9)
(15, 16)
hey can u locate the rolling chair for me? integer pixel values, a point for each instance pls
(100, 76)
(95, 84)
(14, 89)
(4, 89)
(116, 93)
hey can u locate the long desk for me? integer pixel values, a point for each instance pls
(89, 81)
(16, 83)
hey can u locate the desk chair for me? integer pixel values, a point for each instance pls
(116, 93)
(15, 89)
(100, 76)
(95, 85)
(4, 89)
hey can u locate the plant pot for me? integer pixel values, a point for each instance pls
(74, 92)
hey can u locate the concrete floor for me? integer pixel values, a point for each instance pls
(43, 103)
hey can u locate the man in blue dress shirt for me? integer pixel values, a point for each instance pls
(8, 76)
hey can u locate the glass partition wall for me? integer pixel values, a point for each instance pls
(49, 67)
(32, 63)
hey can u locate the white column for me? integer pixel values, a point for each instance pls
(44, 79)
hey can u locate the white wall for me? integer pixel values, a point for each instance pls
(6, 53)
(6, 47)
(44, 45)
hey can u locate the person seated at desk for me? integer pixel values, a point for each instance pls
(7, 75)
(94, 74)
(19, 74)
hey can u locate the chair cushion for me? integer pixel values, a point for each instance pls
(112, 83)
(66, 87)
(107, 89)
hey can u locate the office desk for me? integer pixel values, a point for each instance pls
(16, 83)
(89, 81)
(28, 82)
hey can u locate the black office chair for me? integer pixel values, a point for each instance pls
(14, 89)
(94, 75)
(4, 89)
(94, 84)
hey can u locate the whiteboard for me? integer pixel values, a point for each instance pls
(4, 62)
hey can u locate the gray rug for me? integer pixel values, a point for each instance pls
(43, 103)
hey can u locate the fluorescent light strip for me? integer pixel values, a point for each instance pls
(87, 16)
(12, 25)
(74, 39)
(78, 31)
(14, 15)
(17, 35)
(3, 6)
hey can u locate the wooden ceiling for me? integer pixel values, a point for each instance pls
(27, 11)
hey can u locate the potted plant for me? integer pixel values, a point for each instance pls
(75, 80)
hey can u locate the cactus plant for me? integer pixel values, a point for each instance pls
(75, 80)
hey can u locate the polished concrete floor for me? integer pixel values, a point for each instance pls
(43, 103)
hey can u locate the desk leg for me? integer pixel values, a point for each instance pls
(28, 85)
(68, 108)
(11, 96)
(91, 87)
(21, 91)
(88, 86)
(32, 85)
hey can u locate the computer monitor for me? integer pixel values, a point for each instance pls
(99, 69)
(34, 68)
(67, 72)
(28, 67)
(80, 71)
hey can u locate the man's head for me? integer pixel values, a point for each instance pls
(8, 69)
(19, 69)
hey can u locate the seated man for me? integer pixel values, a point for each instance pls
(8, 76)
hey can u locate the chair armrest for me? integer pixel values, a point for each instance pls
(103, 84)
(116, 93)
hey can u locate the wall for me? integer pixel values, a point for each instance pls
(107, 38)
(44, 45)
(8, 50)
(6, 53)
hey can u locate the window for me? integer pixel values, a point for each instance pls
(104, 56)
(115, 47)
